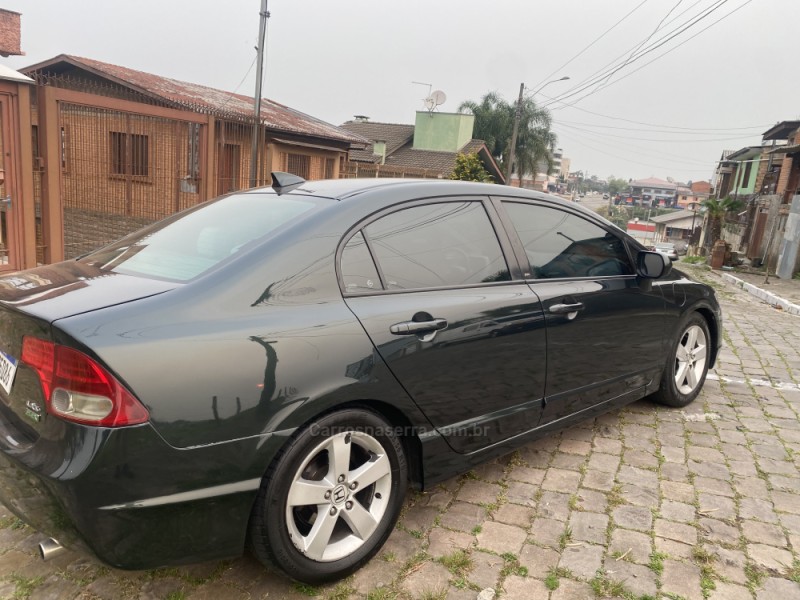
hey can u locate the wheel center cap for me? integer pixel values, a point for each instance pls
(339, 494)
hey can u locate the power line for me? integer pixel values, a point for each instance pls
(674, 141)
(657, 44)
(665, 128)
(597, 39)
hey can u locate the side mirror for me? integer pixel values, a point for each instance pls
(653, 265)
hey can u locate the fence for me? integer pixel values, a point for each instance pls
(352, 170)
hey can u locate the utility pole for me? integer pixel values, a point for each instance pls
(262, 34)
(514, 133)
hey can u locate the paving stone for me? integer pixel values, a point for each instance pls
(591, 500)
(207, 591)
(546, 532)
(443, 541)
(710, 470)
(787, 484)
(637, 476)
(420, 518)
(763, 533)
(680, 532)
(751, 487)
(639, 496)
(636, 458)
(637, 579)
(479, 492)
(538, 560)
(522, 493)
(430, 578)
(599, 480)
(679, 492)
(402, 545)
(572, 590)
(513, 514)
(607, 445)
(560, 480)
(786, 502)
(633, 517)
(501, 538)
(581, 448)
(769, 557)
(589, 527)
(55, 587)
(729, 591)
(486, 569)
(463, 516)
(716, 507)
(681, 579)
(755, 508)
(783, 589)
(677, 511)
(553, 505)
(567, 462)
(713, 486)
(491, 472)
(527, 475)
(729, 564)
(608, 463)
(636, 546)
(583, 560)
(438, 499)
(524, 588)
(673, 549)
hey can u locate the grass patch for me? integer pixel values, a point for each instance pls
(705, 560)
(438, 594)
(305, 589)
(341, 592)
(25, 585)
(755, 576)
(389, 556)
(477, 529)
(605, 587)
(693, 260)
(459, 563)
(615, 496)
(565, 538)
(554, 575)
(176, 595)
(382, 594)
(657, 562)
(793, 572)
(512, 566)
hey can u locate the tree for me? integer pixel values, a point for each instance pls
(494, 123)
(470, 168)
(616, 186)
(716, 210)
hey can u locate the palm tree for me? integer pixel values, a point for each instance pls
(494, 122)
(716, 210)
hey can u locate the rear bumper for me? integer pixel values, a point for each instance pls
(131, 499)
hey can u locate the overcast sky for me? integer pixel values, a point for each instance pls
(672, 118)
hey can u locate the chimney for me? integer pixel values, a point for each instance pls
(10, 33)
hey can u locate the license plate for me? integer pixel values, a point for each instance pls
(8, 368)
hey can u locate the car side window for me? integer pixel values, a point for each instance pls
(562, 244)
(357, 267)
(434, 245)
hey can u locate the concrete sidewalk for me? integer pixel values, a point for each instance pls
(783, 293)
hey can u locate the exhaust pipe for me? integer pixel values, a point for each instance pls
(50, 548)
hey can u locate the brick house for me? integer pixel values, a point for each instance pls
(426, 149)
(116, 148)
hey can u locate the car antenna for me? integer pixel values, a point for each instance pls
(285, 182)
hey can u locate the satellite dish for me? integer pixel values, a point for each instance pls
(437, 98)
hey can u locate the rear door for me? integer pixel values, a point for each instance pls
(432, 286)
(605, 325)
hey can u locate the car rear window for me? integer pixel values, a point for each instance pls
(185, 247)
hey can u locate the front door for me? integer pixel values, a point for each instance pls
(605, 326)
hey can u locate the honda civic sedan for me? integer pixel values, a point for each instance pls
(275, 368)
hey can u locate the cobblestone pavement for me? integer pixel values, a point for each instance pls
(645, 502)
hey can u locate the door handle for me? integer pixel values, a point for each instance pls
(416, 327)
(561, 309)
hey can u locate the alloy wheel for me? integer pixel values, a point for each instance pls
(690, 359)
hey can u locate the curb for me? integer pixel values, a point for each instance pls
(764, 295)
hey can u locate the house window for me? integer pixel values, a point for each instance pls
(130, 154)
(746, 176)
(299, 164)
(329, 168)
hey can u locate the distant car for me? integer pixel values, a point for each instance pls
(275, 367)
(605, 196)
(667, 249)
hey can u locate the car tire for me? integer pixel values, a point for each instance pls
(687, 364)
(318, 520)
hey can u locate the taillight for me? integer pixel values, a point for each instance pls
(76, 388)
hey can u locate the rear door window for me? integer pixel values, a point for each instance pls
(437, 245)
